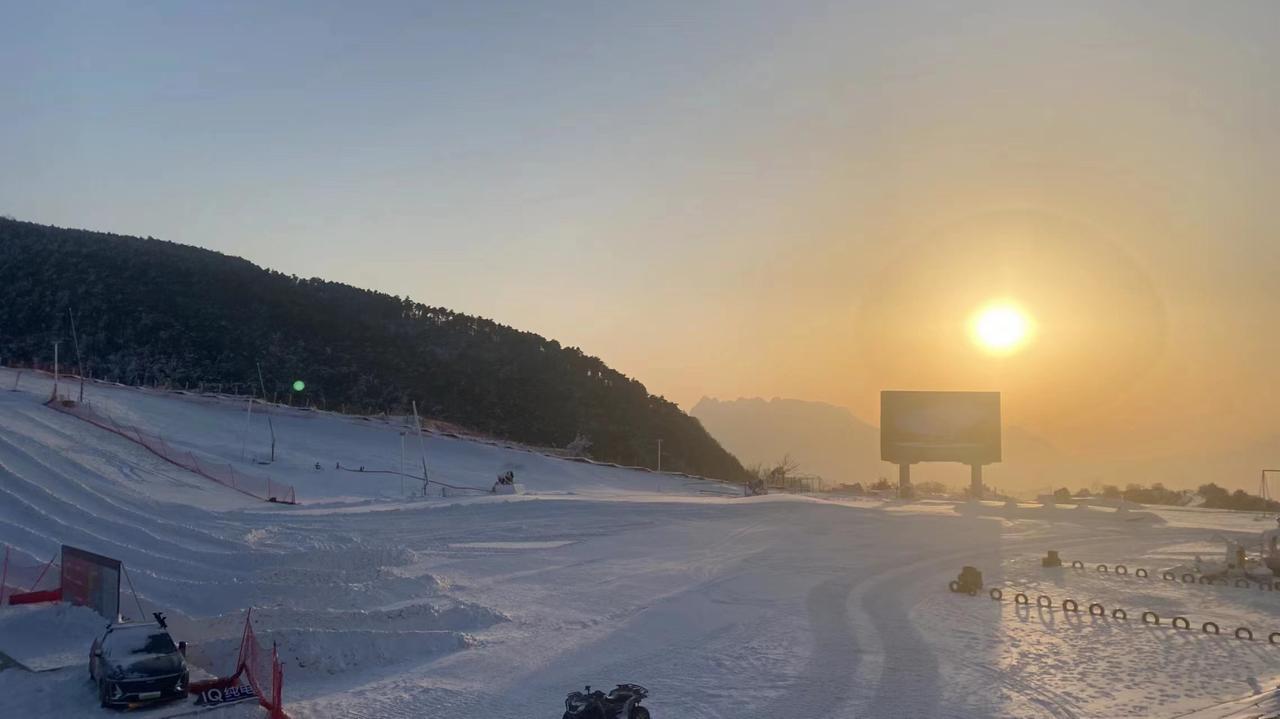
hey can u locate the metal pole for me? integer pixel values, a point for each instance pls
(248, 418)
(659, 455)
(79, 362)
(141, 613)
(402, 463)
(422, 444)
(270, 424)
(55, 370)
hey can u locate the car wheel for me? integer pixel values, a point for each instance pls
(103, 698)
(640, 713)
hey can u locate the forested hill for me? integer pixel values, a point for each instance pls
(155, 312)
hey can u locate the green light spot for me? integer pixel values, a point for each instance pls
(299, 385)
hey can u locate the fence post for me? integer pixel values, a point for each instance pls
(277, 683)
(4, 575)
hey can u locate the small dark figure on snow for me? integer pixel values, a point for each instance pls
(969, 582)
(506, 479)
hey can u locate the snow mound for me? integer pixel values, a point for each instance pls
(48, 636)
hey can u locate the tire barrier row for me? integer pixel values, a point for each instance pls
(1044, 601)
(1185, 578)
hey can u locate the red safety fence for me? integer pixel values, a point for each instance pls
(254, 485)
(260, 667)
(23, 581)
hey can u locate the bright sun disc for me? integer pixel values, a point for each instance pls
(1001, 328)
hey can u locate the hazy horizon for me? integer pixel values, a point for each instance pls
(835, 443)
(797, 200)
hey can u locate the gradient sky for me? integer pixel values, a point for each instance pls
(794, 199)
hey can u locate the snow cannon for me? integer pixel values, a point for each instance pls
(969, 582)
(1051, 559)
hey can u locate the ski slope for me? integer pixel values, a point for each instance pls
(388, 603)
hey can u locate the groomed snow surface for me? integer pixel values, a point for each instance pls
(391, 604)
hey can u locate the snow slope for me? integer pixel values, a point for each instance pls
(494, 607)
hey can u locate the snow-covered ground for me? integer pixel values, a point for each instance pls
(492, 607)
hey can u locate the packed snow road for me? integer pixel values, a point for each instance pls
(496, 607)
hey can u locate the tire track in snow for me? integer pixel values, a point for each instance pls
(823, 686)
(909, 682)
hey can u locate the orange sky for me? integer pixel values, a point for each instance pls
(743, 199)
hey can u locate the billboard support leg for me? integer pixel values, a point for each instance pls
(975, 481)
(904, 480)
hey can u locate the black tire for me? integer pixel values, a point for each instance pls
(639, 713)
(103, 698)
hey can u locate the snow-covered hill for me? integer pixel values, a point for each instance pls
(391, 604)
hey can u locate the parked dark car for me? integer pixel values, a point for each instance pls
(135, 663)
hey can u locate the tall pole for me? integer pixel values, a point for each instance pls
(422, 445)
(248, 420)
(402, 463)
(659, 455)
(267, 412)
(79, 362)
(55, 369)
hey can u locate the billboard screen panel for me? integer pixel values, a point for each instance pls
(91, 580)
(940, 427)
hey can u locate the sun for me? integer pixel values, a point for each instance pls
(1001, 328)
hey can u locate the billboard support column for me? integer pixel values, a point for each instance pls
(904, 480)
(975, 481)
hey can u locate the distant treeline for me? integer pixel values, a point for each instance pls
(159, 313)
(1214, 497)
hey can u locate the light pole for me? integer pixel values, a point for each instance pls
(55, 369)
(659, 455)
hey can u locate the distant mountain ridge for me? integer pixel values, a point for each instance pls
(831, 441)
(151, 311)
(825, 439)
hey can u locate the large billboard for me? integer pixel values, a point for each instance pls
(91, 580)
(940, 427)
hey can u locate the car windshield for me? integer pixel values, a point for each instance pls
(125, 644)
